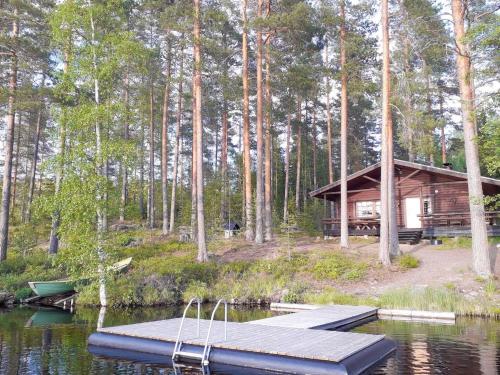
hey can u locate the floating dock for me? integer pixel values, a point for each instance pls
(294, 343)
(331, 317)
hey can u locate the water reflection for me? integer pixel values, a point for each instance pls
(471, 346)
(47, 341)
(53, 341)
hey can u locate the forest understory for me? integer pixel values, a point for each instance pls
(294, 267)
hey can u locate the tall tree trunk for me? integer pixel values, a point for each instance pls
(194, 212)
(164, 146)
(101, 174)
(328, 120)
(329, 136)
(443, 137)
(259, 198)
(142, 209)
(124, 187)
(299, 154)
(224, 136)
(315, 147)
(16, 166)
(177, 141)
(151, 184)
(9, 141)
(408, 96)
(344, 223)
(429, 107)
(247, 167)
(287, 165)
(223, 162)
(56, 215)
(34, 163)
(202, 247)
(388, 226)
(268, 215)
(481, 262)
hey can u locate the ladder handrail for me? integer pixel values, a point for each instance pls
(198, 301)
(210, 327)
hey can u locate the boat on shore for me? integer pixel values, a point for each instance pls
(55, 287)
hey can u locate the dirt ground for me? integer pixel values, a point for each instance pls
(438, 267)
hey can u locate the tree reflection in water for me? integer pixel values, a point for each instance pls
(47, 341)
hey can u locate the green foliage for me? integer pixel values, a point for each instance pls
(295, 294)
(336, 266)
(330, 295)
(408, 261)
(23, 239)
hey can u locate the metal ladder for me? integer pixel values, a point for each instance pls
(204, 357)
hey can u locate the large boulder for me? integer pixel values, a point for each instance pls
(6, 299)
(122, 227)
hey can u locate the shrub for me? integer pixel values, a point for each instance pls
(23, 293)
(337, 266)
(408, 261)
(295, 294)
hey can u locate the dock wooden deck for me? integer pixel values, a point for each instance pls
(293, 343)
(330, 317)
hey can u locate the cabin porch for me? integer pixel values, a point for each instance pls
(450, 224)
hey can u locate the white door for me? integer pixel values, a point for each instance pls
(412, 210)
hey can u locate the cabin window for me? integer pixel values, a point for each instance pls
(367, 208)
(427, 203)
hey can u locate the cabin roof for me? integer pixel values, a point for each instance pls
(374, 171)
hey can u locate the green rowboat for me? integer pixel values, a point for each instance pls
(43, 318)
(52, 288)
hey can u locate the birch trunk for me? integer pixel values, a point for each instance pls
(268, 215)
(9, 141)
(481, 261)
(249, 232)
(164, 146)
(344, 224)
(202, 247)
(177, 141)
(101, 185)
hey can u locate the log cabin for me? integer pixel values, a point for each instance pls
(431, 202)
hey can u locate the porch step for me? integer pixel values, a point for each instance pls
(410, 237)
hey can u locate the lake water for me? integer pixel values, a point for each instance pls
(46, 341)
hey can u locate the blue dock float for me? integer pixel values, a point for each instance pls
(294, 343)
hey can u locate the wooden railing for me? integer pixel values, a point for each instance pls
(356, 223)
(456, 218)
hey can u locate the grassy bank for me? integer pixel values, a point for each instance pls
(166, 273)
